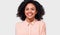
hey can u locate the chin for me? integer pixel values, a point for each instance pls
(30, 17)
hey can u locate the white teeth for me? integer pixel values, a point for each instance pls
(29, 14)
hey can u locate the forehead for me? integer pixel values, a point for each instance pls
(30, 5)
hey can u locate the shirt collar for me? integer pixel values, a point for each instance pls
(32, 23)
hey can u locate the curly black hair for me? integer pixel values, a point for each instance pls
(39, 8)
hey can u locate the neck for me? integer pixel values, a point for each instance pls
(30, 20)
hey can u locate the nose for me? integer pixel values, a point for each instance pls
(30, 10)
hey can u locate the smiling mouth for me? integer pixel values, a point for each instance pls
(29, 14)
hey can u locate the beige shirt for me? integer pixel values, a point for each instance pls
(34, 28)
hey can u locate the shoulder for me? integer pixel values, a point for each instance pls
(19, 23)
(41, 22)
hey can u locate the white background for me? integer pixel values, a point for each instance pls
(8, 19)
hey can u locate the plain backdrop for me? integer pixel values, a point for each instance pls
(8, 19)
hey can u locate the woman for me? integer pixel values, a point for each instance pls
(31, 13)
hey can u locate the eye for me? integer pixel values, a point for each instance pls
(32, 9)
(27, 9)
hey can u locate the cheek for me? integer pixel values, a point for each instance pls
(34, 12)
(25, 11)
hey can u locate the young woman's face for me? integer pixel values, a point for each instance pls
(30, 11)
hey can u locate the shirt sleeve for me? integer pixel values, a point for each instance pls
(17, 29)
(43, 29)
